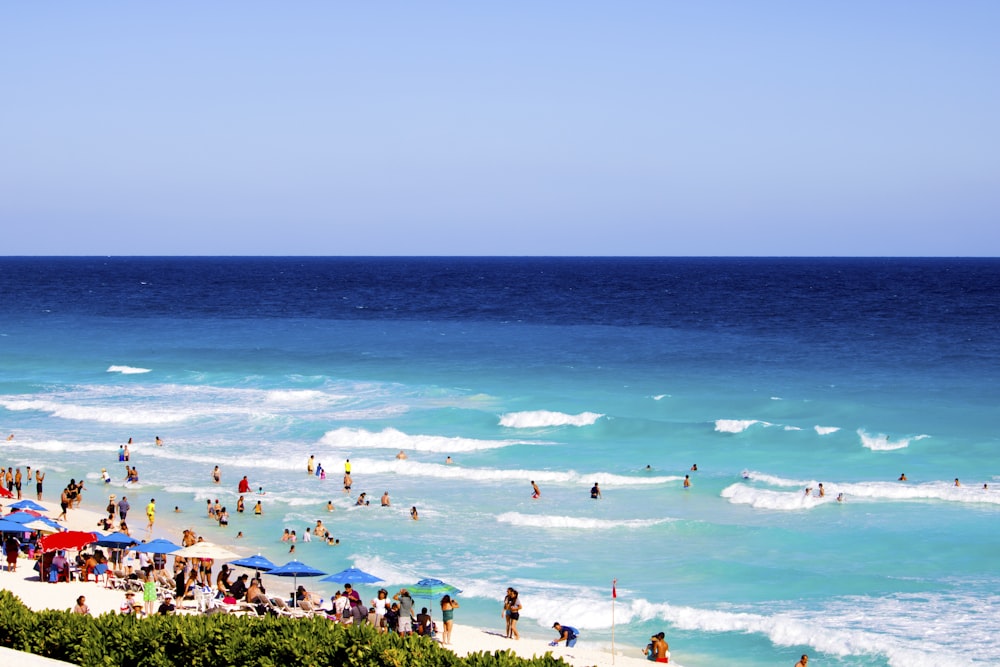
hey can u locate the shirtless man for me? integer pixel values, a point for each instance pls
(216, 475)
(39, 478)
(803, 661)
(347, 482)
(535, 492)
(385, 499)
(661, 649)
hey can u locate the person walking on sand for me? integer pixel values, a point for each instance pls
(448, 607)
(535, 491)
(123, 508)
(63, 504)
(513, 613)
(151, 514)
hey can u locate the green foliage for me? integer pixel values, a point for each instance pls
(222, 640)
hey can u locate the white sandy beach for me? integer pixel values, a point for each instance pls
(465, 639)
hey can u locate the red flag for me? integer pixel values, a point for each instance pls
(614, 589)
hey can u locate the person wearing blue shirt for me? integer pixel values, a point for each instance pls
(567, 634)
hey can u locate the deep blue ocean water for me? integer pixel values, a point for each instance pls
(772, 375)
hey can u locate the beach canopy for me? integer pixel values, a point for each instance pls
(28, 504)
(352, 575)
(256, 562)
(206, 550)
(71, 539)
(159, 546)
(4, 493)
(117, 540)
(432, 588)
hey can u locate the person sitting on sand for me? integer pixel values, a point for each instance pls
(425, 624)
(567, 633)
(661, 650)
(81, 606)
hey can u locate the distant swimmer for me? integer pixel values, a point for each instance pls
(348, 482)
(311, 464)
(746, 474)
(595, 491)
(694, 467)
(803, 661)
(329, 506)
(159, 443)
(413, 513)
(840, 497)
(385, 499)
(10, 437)
(347, 467)
(536, 493)
(822, 491)
(649, 468)
(362, 499)
(216, 475)
(244, 485)
(448, 461)
(687, 481)
(902, 477)
(957, 483)
(401, 456)
(258, 509)
(985, 487)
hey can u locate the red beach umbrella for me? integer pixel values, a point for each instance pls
(4, 493)
(71, 539)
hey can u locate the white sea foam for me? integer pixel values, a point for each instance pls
(826, 430)
(127, 370)
(390, 438)
(545, 418)
(572, 522)
(901, 629)
(660, 397)
(734, 425)
(758, 498)
(881, 442)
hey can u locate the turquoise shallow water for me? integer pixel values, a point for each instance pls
(769, 391)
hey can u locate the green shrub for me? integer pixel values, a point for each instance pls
(222, 640)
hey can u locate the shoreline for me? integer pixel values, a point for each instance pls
(466, 639)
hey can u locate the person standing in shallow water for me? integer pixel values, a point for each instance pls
(595, 491)
(535, 491)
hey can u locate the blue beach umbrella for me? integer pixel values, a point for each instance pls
(11, 527)
(295, 569)
(28, 504)
(257, 562)
(28, 517)
(159, 546)
(432, 588)
(352, 575)
(117, 540)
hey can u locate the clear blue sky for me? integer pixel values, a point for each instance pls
(500, 128)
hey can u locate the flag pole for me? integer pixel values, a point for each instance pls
(614, 595)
